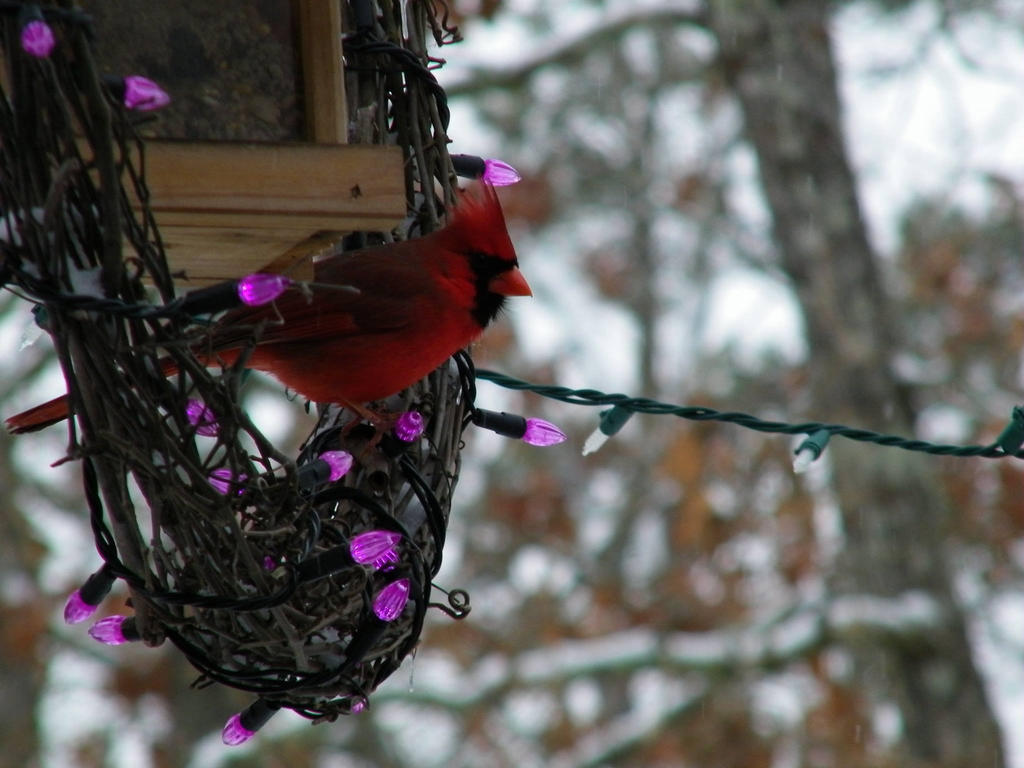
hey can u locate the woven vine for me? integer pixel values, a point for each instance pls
(255, 586)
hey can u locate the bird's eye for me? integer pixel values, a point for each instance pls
(480, 261)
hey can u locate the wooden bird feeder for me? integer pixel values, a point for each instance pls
(248, 167)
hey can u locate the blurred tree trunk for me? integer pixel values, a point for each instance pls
(25, 609)
(777, 57)
(24, 613)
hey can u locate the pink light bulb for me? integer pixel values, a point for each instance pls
(409, 426)
(112, 631)
(223, 480)
(234, 732)
(340, 463)
(375, 547)
(390, 601)
(500, 173)
(542, 433)
(37, 39)
(82, 603)
(202, 417)
(76, 610)
(142, 94)
(261, 288)
(243, 725)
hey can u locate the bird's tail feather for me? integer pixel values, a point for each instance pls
(39, 417)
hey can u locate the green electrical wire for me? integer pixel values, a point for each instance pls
(1006, 445)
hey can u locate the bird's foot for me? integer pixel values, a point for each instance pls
(382, 422)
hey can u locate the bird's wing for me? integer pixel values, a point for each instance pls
(388, 289)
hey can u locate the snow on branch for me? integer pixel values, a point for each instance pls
(790, 636)
(614, 739)
(574, 48)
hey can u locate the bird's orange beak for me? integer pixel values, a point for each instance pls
(511, 283)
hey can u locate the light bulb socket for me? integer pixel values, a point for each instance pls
(41, 316)
(469, 166)
(213, 298)
(814, 443)
(505, 424)
(614, 419)
(256, 715)
(313, 474)
(365, 15)
(29, 12)
(97, 586)
(130, 630)
(1012, 436)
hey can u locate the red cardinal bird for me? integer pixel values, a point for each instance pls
(418, 302)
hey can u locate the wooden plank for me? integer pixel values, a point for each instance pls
(199, 256)
(226, 209)
(322, 76)
(306, 223)
(340, 187)
(207, 256)
(202, 257)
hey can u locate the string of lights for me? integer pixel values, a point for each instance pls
(624, 406)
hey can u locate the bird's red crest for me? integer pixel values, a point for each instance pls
(478, 223)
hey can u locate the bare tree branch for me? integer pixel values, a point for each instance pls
(792, 634)
(573, 49)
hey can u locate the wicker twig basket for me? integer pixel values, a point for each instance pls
(257, 586)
